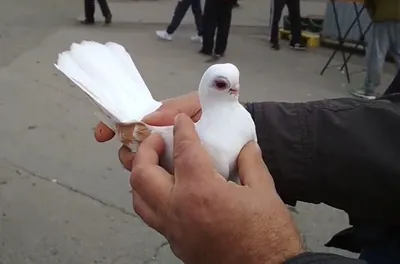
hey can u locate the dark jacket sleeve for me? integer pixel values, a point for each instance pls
(341, 152)
(322, 258)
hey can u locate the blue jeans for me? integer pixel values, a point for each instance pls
(384, 38)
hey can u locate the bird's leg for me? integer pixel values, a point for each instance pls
(131, 135)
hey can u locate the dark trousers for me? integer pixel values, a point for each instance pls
(382, 245)
(394, 87)
(217, 17)
(295, 19)
(180, 12)
(90, 7)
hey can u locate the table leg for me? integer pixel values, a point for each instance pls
(359, 42)
(340, 44)
(342, 40)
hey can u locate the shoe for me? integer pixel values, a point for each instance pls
(108, 19)
(87, 21)
(205, 53)
(164, 35)
(214, 58)
(197, 38)
(362, 93)
(275, 46)
(298, 46)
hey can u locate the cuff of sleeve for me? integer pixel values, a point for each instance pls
(322, 258)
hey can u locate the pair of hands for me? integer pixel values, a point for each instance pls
(205, 218)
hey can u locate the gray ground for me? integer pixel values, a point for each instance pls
(64, 198)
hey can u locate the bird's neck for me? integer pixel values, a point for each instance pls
(217, 104)
(209, 100)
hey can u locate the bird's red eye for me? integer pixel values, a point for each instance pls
(220, 84)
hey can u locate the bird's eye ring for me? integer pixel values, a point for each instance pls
(220, 84)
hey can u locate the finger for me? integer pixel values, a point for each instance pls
(145, 212)
(190, 158)
(252, 170)
(188, 104)
(150, 151)
(153, 184)
(197, 115)
(126, 157)
(103, 133)
(161, 117)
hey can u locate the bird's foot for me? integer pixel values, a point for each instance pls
(131, 135)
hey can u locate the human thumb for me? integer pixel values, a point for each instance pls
(252, 170)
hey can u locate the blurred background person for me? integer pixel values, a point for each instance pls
(217, 19)
(384, 37)
(90, 8)
(179, 13)
(295, 23)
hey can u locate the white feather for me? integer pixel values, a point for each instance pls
(108, 75)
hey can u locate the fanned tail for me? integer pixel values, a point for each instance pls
(108, 75)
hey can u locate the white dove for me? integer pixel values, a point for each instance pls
(108, 75)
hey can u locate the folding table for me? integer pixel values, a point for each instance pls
(342, 38)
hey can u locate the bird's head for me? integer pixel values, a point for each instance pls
(220, 82)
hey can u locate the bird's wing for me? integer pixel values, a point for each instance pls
(221, 159)
(108, 75)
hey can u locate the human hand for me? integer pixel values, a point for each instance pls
(188, 104)
(205, 218)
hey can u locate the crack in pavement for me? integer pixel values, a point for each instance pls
(70, 188)
(156, 252)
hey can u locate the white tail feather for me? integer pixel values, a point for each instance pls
(108, 75)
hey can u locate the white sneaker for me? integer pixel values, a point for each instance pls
(164, 35)
(197, 39)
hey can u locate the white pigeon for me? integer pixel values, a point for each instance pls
(108, 75)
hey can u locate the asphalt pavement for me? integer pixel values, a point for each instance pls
(65, 198)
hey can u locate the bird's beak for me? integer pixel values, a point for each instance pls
(233, 91)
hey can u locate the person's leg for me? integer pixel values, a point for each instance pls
(277, 9)
(105, 9)
(209, 26)
(224, 25)
(89, 12)
(295, 24)
(377, 48)
(179, 13)
(198, 19)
